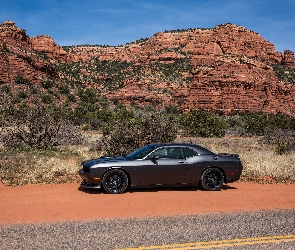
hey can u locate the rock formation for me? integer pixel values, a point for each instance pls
(227, 68)
(288, 59)
(46, 45)
(18, 57)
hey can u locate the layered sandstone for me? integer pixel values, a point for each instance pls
(232, 71)
(46, 45)
(227, 68)
(288, 59)
(18, 57)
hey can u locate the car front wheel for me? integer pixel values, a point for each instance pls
(115, 181)
(212, 179)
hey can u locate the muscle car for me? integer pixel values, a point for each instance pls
(166, 165)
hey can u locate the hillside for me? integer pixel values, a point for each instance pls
(227, 68)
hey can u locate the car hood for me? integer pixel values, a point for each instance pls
(103, 159)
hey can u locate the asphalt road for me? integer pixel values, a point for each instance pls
(242, 230)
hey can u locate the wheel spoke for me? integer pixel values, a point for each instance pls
(212, 179)
(115, 181)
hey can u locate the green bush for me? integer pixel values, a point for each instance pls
(22, 95)
(88, 95)
(260, 123)
(281, 148)
(39, 127)
(6, 88)
(200, 123)
(284, 140)
(63, 89)
(71, 98)
(127, 135)
(47, 83)
(22, 80)
(47, 98)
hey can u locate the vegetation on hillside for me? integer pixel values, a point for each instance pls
(46, 144)
(284, 74)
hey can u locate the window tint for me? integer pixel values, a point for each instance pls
(168, 152)
(189, 152)
(175, 153)
(161, 152)
(142, 152)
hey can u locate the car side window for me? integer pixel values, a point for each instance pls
(175, 153)
(161, 152)
(168, 152)
(189, 152)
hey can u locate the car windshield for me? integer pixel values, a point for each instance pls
(142, 152)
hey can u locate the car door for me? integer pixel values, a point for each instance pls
(168, 166)
(194, 165)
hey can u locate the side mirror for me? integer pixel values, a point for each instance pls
(155, 158)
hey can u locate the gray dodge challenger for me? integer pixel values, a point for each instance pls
(166, 165)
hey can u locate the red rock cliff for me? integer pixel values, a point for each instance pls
(227, 68)
(18, 57)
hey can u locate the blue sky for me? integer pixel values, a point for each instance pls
(117, 22)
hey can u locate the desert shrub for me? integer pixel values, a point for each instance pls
(255, 123)
(22, 80)
(64, 89)
(127, 135)
(47, 83)
(46, 98)
(88, 95)
(22, 94)
(284, 74)
(71, 98)
(6, 88)
(21, 166)
(284, 140)
(281, 148)
(172, 110)
(97, 117)
(39, 127)
(200, 123)
(259, 123)
(84, 113)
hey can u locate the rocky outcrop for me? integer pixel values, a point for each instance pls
(288, 59)
(202, 45)
(231, 70)
(18, 57)
(46, 46)
(227, 68)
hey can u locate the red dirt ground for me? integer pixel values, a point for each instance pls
(67, 202)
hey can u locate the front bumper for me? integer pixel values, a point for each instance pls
(86, 184)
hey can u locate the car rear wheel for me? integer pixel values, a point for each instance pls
(115, 181)
(212, 179)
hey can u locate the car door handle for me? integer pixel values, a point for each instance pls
(181, 161)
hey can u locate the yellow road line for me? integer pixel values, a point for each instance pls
(221, 243)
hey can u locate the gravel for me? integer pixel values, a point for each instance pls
(154, 231)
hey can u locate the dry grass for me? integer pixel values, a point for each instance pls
(31, 166)
(23, 167)
(259, 160)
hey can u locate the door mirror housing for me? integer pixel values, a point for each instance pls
(155, 158)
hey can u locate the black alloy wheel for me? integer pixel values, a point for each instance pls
(115, 181)
(212, 179)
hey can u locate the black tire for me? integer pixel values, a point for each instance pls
(212, 179)
(115, 181)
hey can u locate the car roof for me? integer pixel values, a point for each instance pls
(198, 148)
